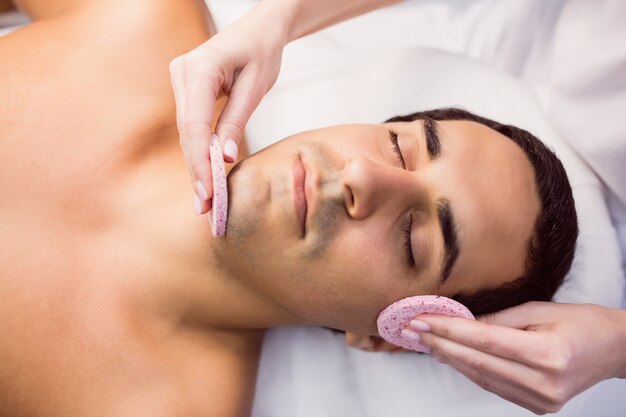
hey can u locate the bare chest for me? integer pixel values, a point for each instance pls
(74, 349)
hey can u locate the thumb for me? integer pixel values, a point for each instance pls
(521, 317)
(244, 98)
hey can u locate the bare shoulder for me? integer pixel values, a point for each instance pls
(100, 59)
(85, 90)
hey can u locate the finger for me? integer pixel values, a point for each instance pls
(197, 157)
(356, 340)
(203, 89)
(517, 345)
(244, 98)
(512, 393)
(523, 316)
(485, 364)
(177, 78)
(201, 206)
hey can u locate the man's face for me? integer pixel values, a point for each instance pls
(379, 226)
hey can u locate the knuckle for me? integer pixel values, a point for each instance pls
(559, 359)
(484, 341)
(210, 76)
(556, 394)
(444, 331)
(197, 166)
(432, 342)
(196, 70)
(235, 123)
(478, 364)
(195, 66)
(194, 58)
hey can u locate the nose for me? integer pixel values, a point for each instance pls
(371, 187)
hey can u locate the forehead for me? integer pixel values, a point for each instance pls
(490, 184)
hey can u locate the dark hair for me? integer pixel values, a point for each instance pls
(551, 249)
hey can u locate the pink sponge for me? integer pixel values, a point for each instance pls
(219, 212)
(396, 317)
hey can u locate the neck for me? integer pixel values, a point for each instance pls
(194, 288)
(221, 300)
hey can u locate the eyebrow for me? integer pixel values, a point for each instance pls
(433, 143)
(447, 224)
(450, 238)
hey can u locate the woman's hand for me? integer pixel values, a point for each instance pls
(538, 355)
(241, 62)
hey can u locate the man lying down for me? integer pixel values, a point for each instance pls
(117, 299)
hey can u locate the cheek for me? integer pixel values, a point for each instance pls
(372, 275)
(364, 267)
(355, 285)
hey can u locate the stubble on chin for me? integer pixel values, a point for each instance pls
(241, 223)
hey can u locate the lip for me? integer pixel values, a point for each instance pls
(299, 193)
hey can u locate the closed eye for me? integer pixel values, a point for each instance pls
(393, 137)
(406, 231)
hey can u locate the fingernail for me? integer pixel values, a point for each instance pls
(410, 335)
(418, 347)
(415, 341)
(196, 204)
(201, 191)
(230, 149)
(420, 326)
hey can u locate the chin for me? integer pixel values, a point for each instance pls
(248, 194)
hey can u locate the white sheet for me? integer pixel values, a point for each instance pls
(351, 74)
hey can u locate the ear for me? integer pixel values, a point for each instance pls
(370, 343)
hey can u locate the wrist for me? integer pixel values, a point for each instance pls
(621, 317)
(298, 18)
(280, 16)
